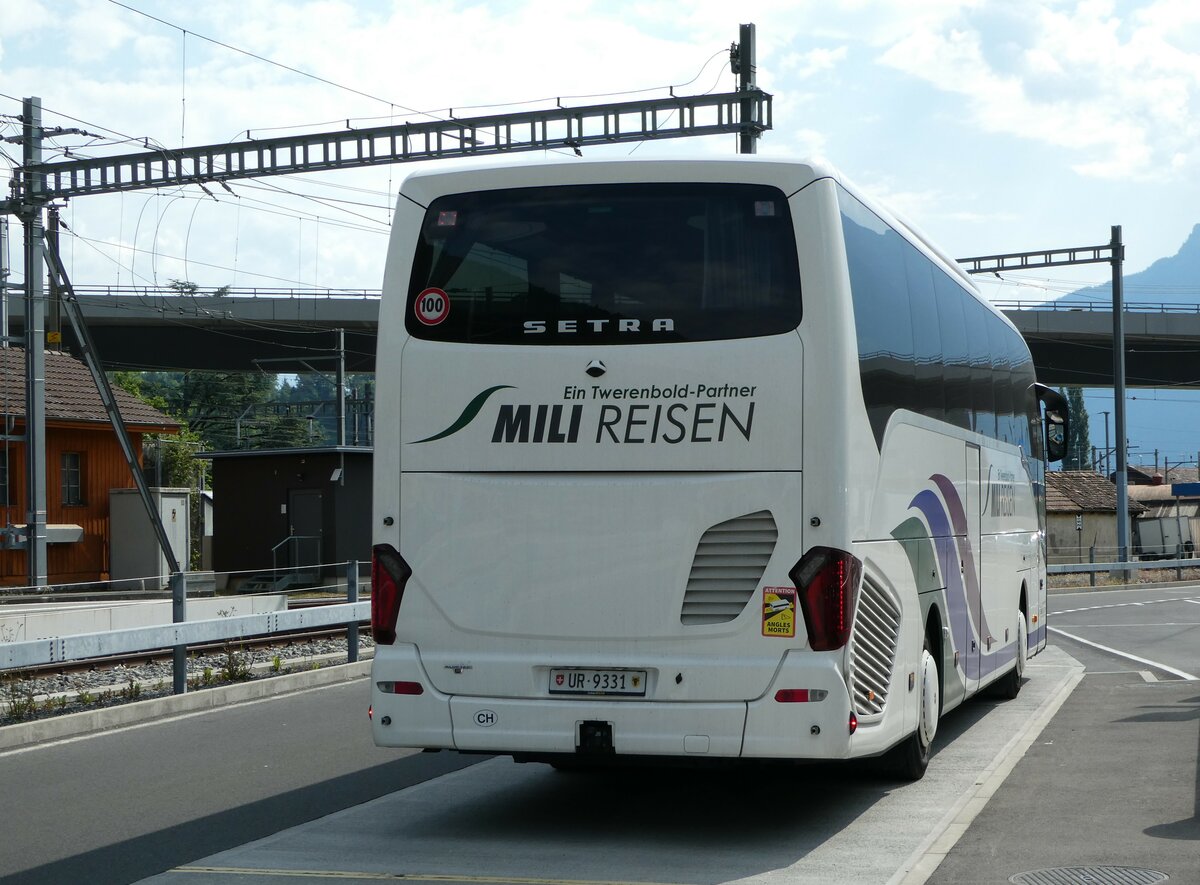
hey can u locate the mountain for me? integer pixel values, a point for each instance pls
(1161, 423)
(1171, 280)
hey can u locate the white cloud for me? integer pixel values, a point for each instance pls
(813, 62)
(1120, 94)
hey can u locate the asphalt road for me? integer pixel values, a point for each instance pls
(1155, 630)
(1110, 790)
(500, 822)
(122, 805)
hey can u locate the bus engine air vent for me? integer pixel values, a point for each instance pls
(730, 560)
(873, 644)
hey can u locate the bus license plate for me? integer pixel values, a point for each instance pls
(624, 682)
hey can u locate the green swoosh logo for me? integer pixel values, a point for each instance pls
(467, 416)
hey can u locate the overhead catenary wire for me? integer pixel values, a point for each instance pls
(262, 58)
(193, 261)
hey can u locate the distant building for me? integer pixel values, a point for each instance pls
(1081, 514)
(83, 462)
(1171, 522)
(290, 514)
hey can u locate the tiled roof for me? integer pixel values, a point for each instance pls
(1182, 474)
(1081, 491)
(1146, 473)
(1157, 493)
(71, 394)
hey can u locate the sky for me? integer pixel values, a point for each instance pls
(993, 125)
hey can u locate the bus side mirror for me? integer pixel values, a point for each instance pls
(1057, 424)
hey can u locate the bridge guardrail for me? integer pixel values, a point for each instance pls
(17, 655)
(1099, 306)
(81, 646)
(1076, 567)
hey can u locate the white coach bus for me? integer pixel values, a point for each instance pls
(700, 459)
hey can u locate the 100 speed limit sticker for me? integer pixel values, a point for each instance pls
(432, 306)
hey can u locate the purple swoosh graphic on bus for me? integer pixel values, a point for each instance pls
(956, 597)
(945, 522)
(958, 516)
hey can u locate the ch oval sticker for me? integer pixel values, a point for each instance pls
(485, 718)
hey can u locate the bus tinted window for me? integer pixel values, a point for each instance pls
(957, 369)
(926, 342)
(882, 318)
(983, 394)
(927, 336)
(618, 263)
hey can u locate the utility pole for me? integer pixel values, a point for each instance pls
(4, 282)
(1117, 251)
(30, 210)
(742, 62)
(54, 301)
(1107, 450)
(341, 387)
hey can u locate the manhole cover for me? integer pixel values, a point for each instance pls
(1090, 876)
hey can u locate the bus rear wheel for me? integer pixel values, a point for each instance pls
(1009, 685)
(910, 758)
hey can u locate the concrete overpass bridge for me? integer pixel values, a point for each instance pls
(289, 330)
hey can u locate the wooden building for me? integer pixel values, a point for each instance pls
(83, 462)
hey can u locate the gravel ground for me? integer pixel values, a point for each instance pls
(56, 694)
(1081, 580)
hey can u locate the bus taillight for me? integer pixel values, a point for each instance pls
(827, 584)
(800, 695)
(389, 574)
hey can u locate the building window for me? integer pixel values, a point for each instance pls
(72, 478)
(4, 478)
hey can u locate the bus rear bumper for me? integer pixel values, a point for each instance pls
(764, 728)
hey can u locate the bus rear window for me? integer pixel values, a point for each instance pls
(615, 264)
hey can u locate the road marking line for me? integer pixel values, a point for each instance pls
(1093, 608)
(1148, 676)
(1135, 626)
(1124, 654)
(401, 877)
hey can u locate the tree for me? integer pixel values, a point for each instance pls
(1079, 441)
(187, 287)
(168, 460)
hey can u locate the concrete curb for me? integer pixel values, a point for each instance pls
(929, 855)
(25, 734)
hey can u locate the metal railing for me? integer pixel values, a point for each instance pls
(297, 568)
(83, 646)
(1099, 306)
(230, 292)
(1067, 568)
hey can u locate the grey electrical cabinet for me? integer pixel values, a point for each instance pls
(136, 562)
